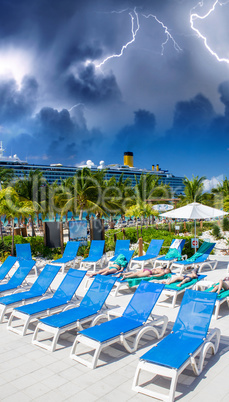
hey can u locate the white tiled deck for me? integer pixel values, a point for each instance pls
(28, 373)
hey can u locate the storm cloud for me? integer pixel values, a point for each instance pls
(17, 103)
(159, 96)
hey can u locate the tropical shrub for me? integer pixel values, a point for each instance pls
(216, 231)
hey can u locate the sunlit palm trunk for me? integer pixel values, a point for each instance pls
(33, 230)
(12, 245)
(1, 228)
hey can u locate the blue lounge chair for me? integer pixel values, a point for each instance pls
(222, 297)
(18, 277)
(188, 340)
(74, 318)
(151, 254)
(6, 267)
(69, 256)
(201, 259)
(61, 298)
(133, 322)
(23, 251)
(128, 254)
(95, 255)
(172, 291)
(36, 291)
(177, 244)
(120, 247)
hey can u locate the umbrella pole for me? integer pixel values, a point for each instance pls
(195, 234)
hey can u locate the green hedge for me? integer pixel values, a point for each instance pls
(39, 250)
(147, 236)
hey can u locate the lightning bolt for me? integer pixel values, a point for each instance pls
(134, 17)
(167, 33)
(195, 16)
(78, 104)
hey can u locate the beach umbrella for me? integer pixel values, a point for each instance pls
(194, 211)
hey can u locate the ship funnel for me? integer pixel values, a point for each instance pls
(128, 159)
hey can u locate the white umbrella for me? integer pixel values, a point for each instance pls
(194, 211)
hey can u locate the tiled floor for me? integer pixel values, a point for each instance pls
(28, 373)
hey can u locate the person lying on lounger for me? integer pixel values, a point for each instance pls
(117, 266)
(185, 278)
(157, 272)
(223, 284)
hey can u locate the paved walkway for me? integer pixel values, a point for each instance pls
(28, 373)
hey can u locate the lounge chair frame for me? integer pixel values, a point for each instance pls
(28, 318)
(143, 260)
(92, 264)
(174, 293)
(210, 343)
(4, 308)
(160, 261)
(77, 324)
(205, 264)
(130, 346)
(135, 321)
(56, 332)
(128, 254)
(205, 284)
(71, 262)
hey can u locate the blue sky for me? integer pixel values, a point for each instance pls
(164, 96)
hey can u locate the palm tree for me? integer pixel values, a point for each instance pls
(31, 189)
(61, 195)
(6, 176)
(222, 188)
(193, 189)
(14, 206)
(149, 187)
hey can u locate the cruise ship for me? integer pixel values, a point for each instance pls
(57, 171)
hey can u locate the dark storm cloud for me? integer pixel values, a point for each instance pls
(17, 104)
(89, 87)
(134, 137)
(55, 136)
(224, 96)
(195, 114)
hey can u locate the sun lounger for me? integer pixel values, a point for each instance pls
(74, 318)
(36, 291)
(6, 267)
(128, 254)
(61, 298)
(201, 259)
(18, 277)
(23, 251)
(133, 323)
(129, 283)
(222, 297)
(172, 291)
(150, 255)
(187, 344)
(69, 256)
(95, 256)
(176, 247)
(120, 247)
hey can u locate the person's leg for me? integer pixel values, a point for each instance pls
(225, 285)
(215, 289)
(185, 280)
(174, 279)
(101, 272)
(138, 274)
(108, 271)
